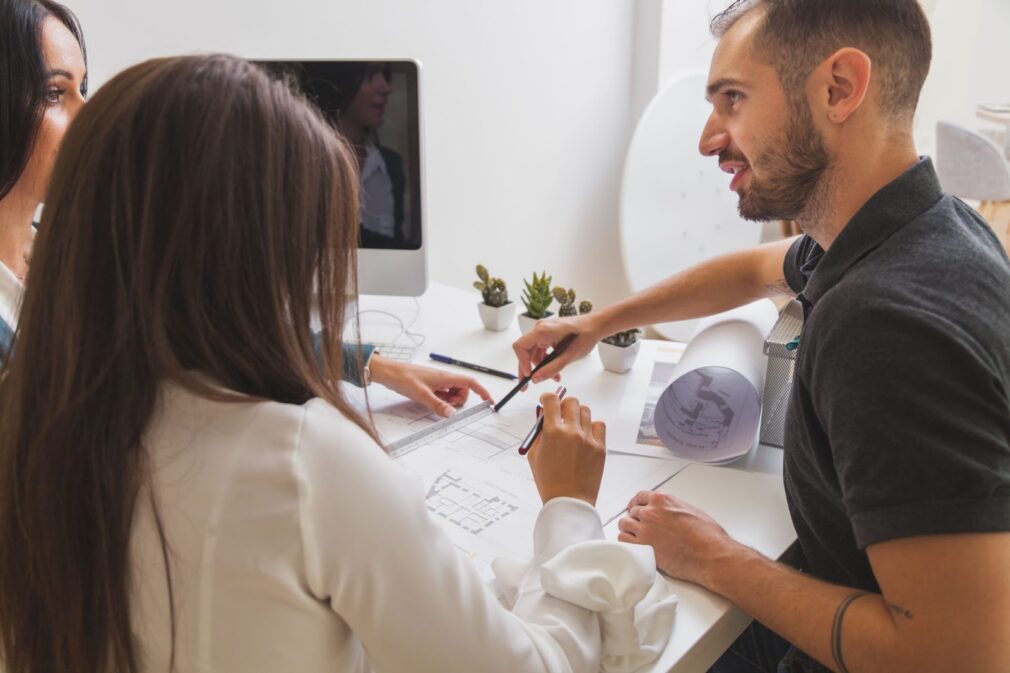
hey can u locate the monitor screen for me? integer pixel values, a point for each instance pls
(375, 106)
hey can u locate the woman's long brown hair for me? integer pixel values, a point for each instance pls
(198, 212)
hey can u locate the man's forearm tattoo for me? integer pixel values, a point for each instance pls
(836, 629)
(780, 287)
(899, 610)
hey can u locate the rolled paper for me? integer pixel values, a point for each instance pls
(710, 412)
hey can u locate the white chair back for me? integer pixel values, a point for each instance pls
(676, 206)
(970, 165)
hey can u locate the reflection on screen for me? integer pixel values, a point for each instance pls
(374, 106)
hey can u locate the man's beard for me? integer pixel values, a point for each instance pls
(793, 168)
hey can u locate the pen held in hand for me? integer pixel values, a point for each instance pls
(562, 345)
(531, 437)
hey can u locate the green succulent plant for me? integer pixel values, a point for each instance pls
(493, 289)
(537, 295)
(623, 339)
(566, 300)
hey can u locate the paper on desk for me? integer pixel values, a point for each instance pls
(633, 431)
(700, 402)
(711, 410)
(481, 490)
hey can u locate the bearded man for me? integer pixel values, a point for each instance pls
(897, 444)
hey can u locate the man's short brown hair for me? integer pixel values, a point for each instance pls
(796, 35)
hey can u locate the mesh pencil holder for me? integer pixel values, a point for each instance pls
(781, 347)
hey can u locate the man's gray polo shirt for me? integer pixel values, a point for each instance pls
(899, 423)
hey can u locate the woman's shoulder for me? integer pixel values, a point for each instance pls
(324, 427)
(319, 443)
(227, 414)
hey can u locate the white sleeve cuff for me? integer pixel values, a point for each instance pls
(564, 522)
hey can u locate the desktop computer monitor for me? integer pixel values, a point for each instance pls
(375, 105)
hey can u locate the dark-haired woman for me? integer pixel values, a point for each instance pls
(353, 95)
(182, 483)
(43, 83)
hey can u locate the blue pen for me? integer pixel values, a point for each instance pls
(477, 368)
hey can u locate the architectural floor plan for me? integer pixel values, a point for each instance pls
(477, 485)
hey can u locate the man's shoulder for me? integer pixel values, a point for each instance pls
(920, 319)
(945, 265)
(949, 238)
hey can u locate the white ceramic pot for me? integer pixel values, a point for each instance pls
(617, 359)
(526, 323)
(497, 318)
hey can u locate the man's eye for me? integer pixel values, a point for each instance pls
(733, 96)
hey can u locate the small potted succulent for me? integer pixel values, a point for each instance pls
(618, 351)
(537, 297)
(496, 311)
(566, 301)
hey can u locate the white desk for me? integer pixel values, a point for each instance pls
(746, 498)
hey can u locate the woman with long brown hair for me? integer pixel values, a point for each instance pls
(182, 484)
(43, 85)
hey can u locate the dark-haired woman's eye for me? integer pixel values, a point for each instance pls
(54, 96)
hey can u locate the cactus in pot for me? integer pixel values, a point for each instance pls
(566, 301)
(496, 311)
(618, 351)
(493, 290)
(623, 339)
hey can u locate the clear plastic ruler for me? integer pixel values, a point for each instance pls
(412, 442)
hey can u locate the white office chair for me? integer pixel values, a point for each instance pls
(971, 166)
(676, 206)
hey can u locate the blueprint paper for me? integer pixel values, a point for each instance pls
(711, 410)
(634, 432)
(478, 487)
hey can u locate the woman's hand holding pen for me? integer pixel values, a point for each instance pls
(567, 458)
(532, 347)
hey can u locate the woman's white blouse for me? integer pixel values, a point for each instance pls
(11, 292)
(295, 544)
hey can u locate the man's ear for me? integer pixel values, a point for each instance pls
(839, 84)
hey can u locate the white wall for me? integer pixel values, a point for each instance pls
(525, 107)
(970, 64)
(528, 104)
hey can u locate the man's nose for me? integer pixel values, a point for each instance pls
(714, 138)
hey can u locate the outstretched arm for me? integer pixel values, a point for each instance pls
(713, 286)
(438, 390)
